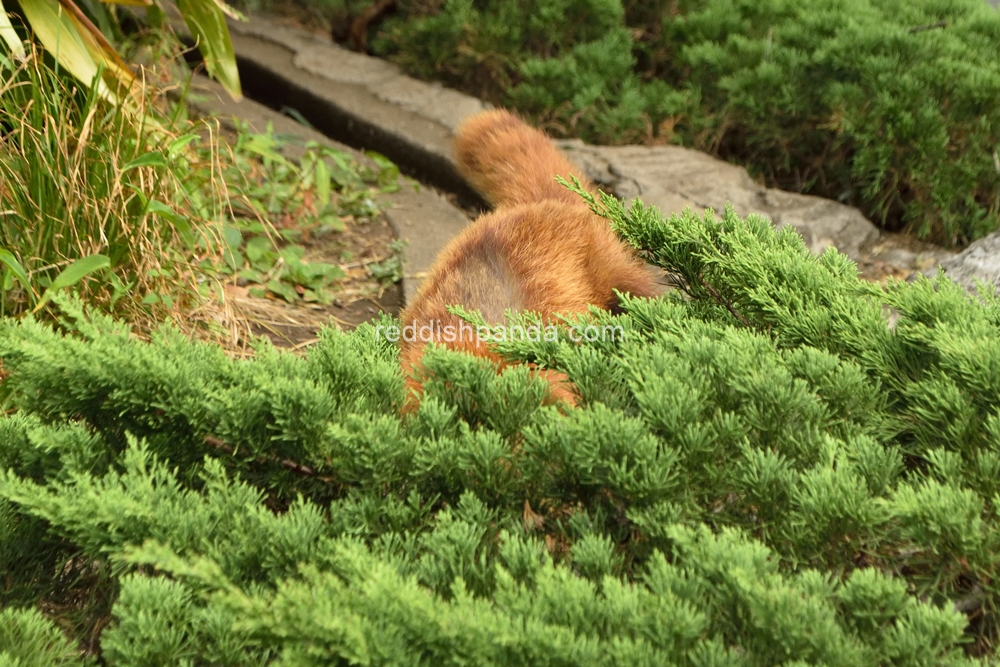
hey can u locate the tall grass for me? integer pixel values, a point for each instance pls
(80, 177)
(175, 206)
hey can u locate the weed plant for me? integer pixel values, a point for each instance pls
(80, 177)
(278, 203)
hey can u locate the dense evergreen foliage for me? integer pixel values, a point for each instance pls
(885, 104)
(776, 464)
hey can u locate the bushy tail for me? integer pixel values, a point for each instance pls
(510, 163)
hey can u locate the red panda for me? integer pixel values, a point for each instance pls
(542, 249)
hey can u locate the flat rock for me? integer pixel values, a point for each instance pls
(672, 178)
(979, 262)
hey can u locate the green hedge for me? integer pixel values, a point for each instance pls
(889, 105)
(777, 464)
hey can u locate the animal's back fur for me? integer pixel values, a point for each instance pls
(542, 249)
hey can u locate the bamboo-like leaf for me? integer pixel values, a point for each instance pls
(178, 144)
(73, 274)
(59, 36)
(77, 44)
(207, 23)
(100, 48)
(7, 259)
(231, 11)
(9, 36)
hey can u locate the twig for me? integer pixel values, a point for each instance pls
(718, 297)
(299, 346)
(932, 26)
(358, 265)
(288, 464)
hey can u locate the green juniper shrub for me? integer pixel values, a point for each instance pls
(763, 470)
(28, 639)
(883, 104)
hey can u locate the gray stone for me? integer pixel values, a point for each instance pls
(427, 221)
(345, 67)
(374, 92)
(674, 178)
(980, 261)
(382, 79)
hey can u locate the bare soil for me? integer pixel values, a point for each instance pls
(359, 297)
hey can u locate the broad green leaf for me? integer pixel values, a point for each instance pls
(178, 144)
(207, 23)
(388, 174)
(251, 275)
(292, 254)
(119, 289)
(162, 210)
(180, 223)
(73, 274)
(265, 146)
(9, 36)
(233, 258)
(260, 247)
(331, 222)
(7, 259)
(151, 159)
(284, 290)
(322, 185)
(232, 236)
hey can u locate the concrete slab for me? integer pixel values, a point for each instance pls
(427, 221)
(673, 178)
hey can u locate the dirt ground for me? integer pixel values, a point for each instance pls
(359, 297)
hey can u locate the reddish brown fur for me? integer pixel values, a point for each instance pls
(542, 250)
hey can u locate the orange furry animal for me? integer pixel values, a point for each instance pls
(541, 250)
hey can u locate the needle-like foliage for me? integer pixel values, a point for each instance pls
(775, 463)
